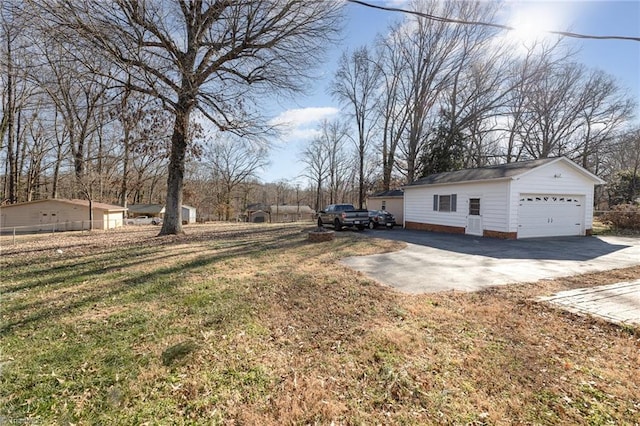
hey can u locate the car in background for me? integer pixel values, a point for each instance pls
(381, 218)
(143, 220)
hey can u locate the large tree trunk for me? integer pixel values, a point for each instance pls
(172, 223)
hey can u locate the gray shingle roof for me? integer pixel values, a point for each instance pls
(501, 171)
(390, 193)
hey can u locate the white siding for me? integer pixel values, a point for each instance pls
(188, 214)
(113, 220)
(493, 204)
(556, 178)
(46, 214)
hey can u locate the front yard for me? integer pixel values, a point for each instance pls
(252, 324)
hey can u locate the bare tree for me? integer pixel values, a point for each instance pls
(430, 62)
(315, 158)
(232, 163)
(606, 108)
(16, 92)
(332, 139)
(214, 56)
(355, 84)
(145, 130)
(392, 111)
(572, 111)
(80, 99)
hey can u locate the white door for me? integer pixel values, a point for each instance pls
(550, 215)
(474, 218)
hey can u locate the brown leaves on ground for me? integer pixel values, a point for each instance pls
(295, 337)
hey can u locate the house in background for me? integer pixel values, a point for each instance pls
(151, 210)
(259, 213)
(258, 216)
(60, 215)
(289, 213)
(391, 201)
(158, 210)
(538, 198)
(188, 214)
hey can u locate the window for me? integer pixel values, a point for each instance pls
(445, 203)
(474, 206)
(384, 205)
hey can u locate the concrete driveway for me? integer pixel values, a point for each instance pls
(434, 262)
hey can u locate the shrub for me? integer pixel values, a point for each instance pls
(623, 216)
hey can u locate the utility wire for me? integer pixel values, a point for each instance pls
(489, 24)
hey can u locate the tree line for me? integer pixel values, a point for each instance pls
(116, 102)
(106, 100)
(429, 97)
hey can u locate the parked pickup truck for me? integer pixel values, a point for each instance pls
(143, 220)
(343, 215)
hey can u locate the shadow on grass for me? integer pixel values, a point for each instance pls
(162, 280)
(553, 248)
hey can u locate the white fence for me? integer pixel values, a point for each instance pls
(52, 228)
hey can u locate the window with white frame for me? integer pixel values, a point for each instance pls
(445, 203)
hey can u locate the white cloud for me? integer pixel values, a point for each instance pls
(302, 116)
(302, 123)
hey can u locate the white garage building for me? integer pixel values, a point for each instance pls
(537, 198)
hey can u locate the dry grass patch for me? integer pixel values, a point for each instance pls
(245, 324)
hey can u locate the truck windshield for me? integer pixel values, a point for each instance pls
(343, 207)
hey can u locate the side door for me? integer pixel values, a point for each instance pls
(474, 217)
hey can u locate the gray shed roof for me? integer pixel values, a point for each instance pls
(387, 194)
(502, 171)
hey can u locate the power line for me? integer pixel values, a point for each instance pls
(489, 24)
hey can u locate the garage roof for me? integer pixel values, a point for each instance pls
(82, 203)
(501, 171)
(388, 194)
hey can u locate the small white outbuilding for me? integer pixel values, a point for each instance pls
(60, 215)
(538, 198)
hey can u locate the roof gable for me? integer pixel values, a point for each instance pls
(498, 172)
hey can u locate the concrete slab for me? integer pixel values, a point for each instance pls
(619, 303)
(434, 262)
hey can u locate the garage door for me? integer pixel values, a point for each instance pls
(549, 215)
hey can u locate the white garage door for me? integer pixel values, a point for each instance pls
(549, 215)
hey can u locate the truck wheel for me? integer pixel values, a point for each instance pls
(372, 225)
(319, 223)
(360, 227)
(337, 225)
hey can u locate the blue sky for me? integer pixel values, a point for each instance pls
(618, 58)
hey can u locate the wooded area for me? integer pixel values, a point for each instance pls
(115, 102)
(430, 96)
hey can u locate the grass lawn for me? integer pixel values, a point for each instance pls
(251, 324)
